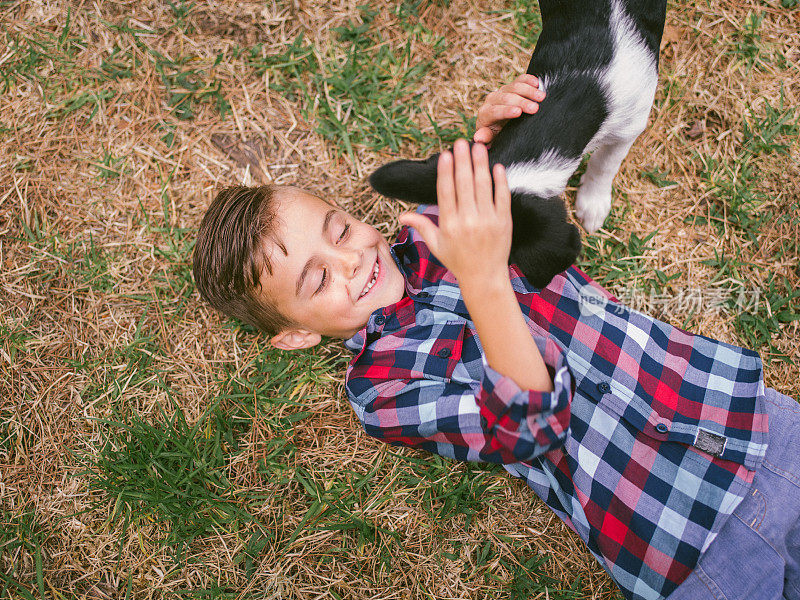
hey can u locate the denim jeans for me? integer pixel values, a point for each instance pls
(756, 555)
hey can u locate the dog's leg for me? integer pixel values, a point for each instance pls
(593, 202)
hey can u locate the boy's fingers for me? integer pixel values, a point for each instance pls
(502, 195)
(484, 135)
(465, 191)
(483, 179)
(499, 113)
(529, 79)
(424, 226)
(523, 101)
(508, 106)
(445, 185)
(524, 90)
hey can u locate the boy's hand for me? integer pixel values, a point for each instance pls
(509, 102)
(473, 238)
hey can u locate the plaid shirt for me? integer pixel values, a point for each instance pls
(647, 444)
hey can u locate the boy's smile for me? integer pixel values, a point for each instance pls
(336, 270)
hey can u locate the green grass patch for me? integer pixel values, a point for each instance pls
(364, 92)
(776, 304)
(21, 532)
(115, 372)
(91, 264)
(450, 489)
(736, 201)
(520, 578)
(659, 178)
(171, 474)
(734, 186)
(188, 82)
(739, 210)
(771, 132)
(618, 263)
(180, 11)
(110, 167)
(14, 338)
(528, 581)
(86, 264)
(747, 44)
(55, 64)
(174, 477)
(759, 313)
(527, 22)
(271, 389)
(28, 57)
(340, 505)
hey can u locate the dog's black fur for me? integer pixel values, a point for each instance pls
(575, 47)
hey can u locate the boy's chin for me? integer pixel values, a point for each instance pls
(345, 332)
(342, 331)
(343, 335)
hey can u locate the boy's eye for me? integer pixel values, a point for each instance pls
(322, 281)
(344, 233)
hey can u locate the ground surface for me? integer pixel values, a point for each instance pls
(150, 449)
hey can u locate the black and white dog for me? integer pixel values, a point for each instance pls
(597, 60)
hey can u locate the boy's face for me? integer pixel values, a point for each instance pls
(335, 273)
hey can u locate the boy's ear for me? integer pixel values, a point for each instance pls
(295, 339)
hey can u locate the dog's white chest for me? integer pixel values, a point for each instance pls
(629, 82)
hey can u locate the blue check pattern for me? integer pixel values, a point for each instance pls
(646, 445)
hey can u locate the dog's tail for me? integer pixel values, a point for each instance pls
(409, 180)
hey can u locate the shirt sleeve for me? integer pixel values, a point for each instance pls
(528, 422)
(492, 420)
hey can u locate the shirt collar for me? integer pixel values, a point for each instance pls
(426, 281)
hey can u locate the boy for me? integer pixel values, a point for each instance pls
(650, 442)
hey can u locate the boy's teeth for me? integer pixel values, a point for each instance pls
(372, 281)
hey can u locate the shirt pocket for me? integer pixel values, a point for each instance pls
(616, 399)
(639, 412)
(445, 352)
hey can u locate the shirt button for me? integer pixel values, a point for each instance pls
(380, 320)
(603, 387)
(444, 352)
(423, 295)
(662, 428)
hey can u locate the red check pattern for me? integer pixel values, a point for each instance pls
(611, 450)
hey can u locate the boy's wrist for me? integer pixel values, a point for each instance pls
(503, 331)
(489, 287)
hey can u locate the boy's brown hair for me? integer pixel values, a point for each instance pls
(229, 255)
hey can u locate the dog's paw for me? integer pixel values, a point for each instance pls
(592, 207)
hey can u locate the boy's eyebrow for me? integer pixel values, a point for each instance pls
(326, 223)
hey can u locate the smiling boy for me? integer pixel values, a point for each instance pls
(335, 272)
(663, 450)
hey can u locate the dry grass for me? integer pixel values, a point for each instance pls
(99, 319)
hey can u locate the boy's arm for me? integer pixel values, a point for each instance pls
(510, 101)
(491, 420)
(473, 240)
(517, 411)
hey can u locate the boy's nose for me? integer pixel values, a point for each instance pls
(351, 261)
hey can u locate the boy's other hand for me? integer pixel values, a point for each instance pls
(473, 238)
(520, 96)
